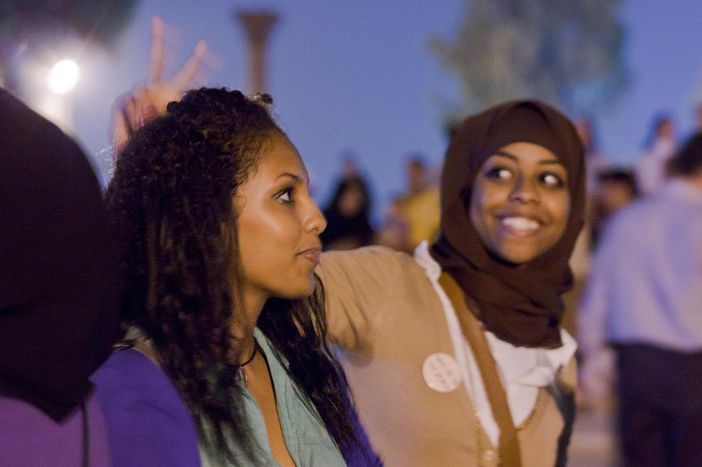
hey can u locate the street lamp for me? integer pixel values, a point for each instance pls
(63, 76)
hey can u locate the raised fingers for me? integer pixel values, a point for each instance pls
(156, 54)
(189, 70)
(123, 121)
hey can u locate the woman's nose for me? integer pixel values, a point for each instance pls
(316, 221)
(524, 191)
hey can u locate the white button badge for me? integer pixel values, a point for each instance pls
(441, 372)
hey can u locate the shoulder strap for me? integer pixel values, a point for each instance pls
(510, 455)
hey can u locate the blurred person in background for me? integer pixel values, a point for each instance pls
(420, 204)
(644, 299)
(698, 118)
(394, 231)
(617, 187)
(580, 258)
(659, 147)
(348, 215)
(349, 167)
(594, 160)
(58, 317)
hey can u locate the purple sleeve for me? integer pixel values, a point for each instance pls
(147, 422)
(29, 436)
(362, 455)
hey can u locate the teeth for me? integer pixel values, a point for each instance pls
(521, 223)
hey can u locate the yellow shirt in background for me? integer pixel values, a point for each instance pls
(421, 212)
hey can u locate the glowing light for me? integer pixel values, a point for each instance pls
(63, 77)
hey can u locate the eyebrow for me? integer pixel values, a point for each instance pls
(515, 158)
(295, 177)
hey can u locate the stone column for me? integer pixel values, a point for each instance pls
(258, 25)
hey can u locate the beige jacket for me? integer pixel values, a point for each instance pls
(385, 314)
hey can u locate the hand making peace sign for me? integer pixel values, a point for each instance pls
(147, 101)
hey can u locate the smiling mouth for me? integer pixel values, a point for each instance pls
(520, 226)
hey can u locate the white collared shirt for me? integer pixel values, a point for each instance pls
(523, 370)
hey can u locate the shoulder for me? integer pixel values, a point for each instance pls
(130, 368)
(368, 259)
(635, 210)
(147, 422)
(634, 219)
(130, 383)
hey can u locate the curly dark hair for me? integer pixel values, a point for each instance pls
(170, 202)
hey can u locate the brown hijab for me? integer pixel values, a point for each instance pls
(519, 304)
(58, 314)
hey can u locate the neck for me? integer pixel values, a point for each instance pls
(243, 328)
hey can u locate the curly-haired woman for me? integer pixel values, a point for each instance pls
(219, 238)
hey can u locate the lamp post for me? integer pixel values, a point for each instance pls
(258, 26)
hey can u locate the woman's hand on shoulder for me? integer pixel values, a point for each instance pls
(149, 100)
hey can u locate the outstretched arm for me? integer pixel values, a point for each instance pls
(148, 100)
(358, 290)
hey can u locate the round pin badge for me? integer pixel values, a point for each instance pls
(441, 372)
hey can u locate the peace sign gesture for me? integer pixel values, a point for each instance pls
(147, 101)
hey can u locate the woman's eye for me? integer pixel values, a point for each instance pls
(285, 196)
(498, 173)
(551, 180)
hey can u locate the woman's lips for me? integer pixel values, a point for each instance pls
(312, 254)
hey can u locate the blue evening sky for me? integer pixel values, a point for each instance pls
(358, 76)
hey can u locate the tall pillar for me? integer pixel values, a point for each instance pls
(258, 25)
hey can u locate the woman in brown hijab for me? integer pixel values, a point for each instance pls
(518, 296)
(456, 356)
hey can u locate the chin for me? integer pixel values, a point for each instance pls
(295, 291)
(514, 256)
(520, 251)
